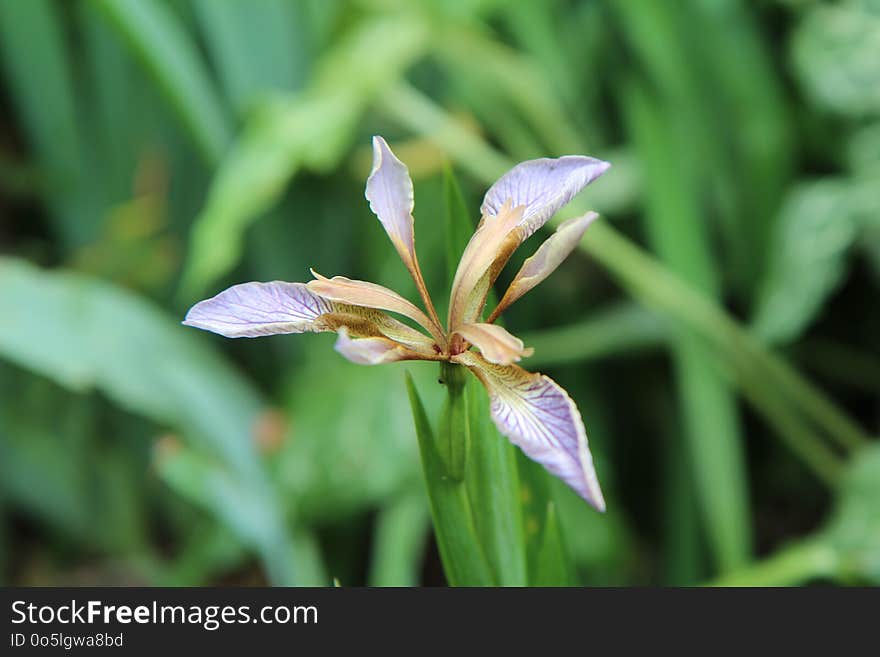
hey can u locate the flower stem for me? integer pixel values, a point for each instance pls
(453, 436)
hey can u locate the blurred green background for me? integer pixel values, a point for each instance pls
(719, 329)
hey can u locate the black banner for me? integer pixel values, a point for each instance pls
(86, 620)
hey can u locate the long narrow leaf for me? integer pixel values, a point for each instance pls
(464, 560)
(35, 60)
(398, 546)
(494, 490)
(167, 52)
(85, 334)
(711, 423)
(312, 129)
(256, 46)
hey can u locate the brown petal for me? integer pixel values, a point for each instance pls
(487, 252)
(495, 343)
(369, 295)
(546, 259)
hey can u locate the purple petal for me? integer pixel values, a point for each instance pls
(370, 351)
(539, 417)
(251, 310)
(390, 193)
(543, 186)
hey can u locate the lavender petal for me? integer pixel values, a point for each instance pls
(543, 186)
(251, 310)
(539, 417)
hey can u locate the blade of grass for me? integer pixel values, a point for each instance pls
(494, 490)
(551, 562)
(169, 55)
(116, 104)
(684, 556)
(750, 96)
(616, 330)
(657, 33)
(676, 229)
(209, 550)
(459, 228)
(312, 129)
(514, 77)
(810, 448)
(75, 340)
(398, 545)
(35, 59)
(4, 545)
(793, 565)
(464, 560)
(536, 29)
(255, 46)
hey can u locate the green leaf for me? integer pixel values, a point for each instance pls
(238, 504)
(835, 50)
(118, 106)
(816, 228)
(685, 556)
(312, 130)
(398, 545)
(793, 565)
(747, 90)
(208, 550)
(86, 334)
(256, 45)
(854, 528)
(711, 423)
(846, 549)
(91, 491)
(36, 60)
(863, 151)
(459, 226)
(506, 81)
(620, 329)
(494, 489)
(339, 464)
(162, 46)
(551, 562)
(464, 560)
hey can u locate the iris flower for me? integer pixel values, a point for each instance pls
(533, 411)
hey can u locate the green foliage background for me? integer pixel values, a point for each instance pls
(719, 328)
